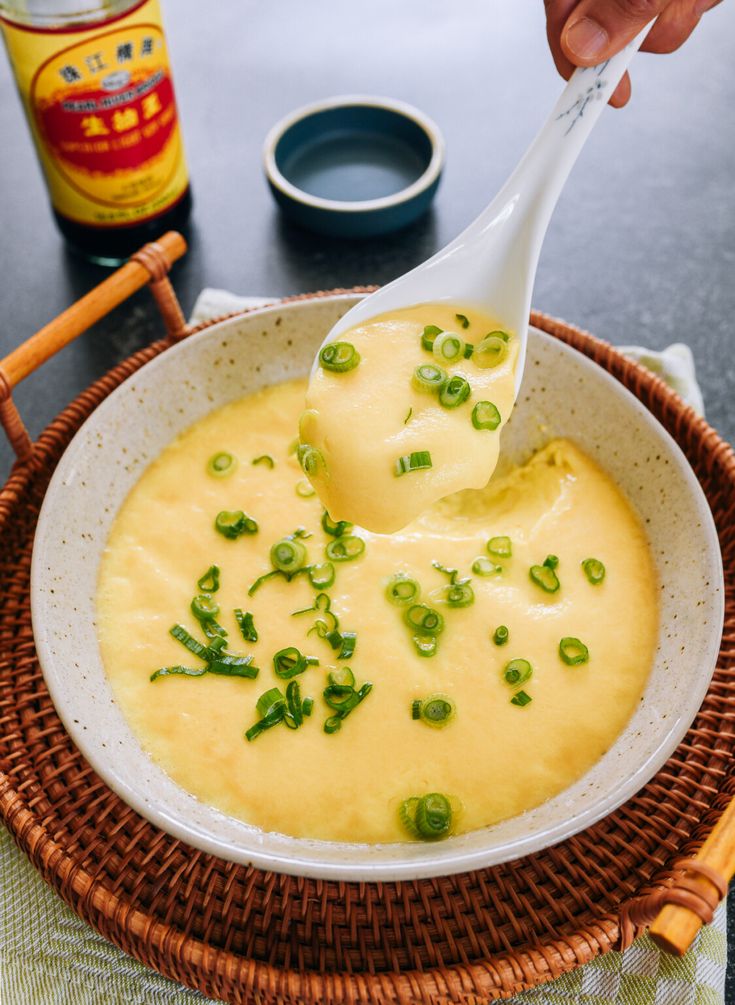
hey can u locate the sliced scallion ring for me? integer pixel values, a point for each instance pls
(448, 347)
(209, 582)
(573, 652)
(517, 672)
(427, 817)
(594, 570)
(335, 528)
(305, 489)
(288, 555)
(437, 710)
(490, 351)
(311, 460)
(502, 546)
(345, 548)
(426, 645)
(485, 415)
(339, 357)
(234, 523)
(483, 566)
(463, 320)
(321, 575)
(402, 590)
(428, 335)
(454, 393)
(544, 577)
(429, 378)
(221, 465)
(501, 635)
(424, 620)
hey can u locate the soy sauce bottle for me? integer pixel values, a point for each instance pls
(96, 85)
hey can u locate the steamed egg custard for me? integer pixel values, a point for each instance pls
(316, 679)
(404, 410)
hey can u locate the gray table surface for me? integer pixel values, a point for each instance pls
(641, 248)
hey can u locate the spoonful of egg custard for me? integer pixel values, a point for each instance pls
(404, 409)
(411, 388)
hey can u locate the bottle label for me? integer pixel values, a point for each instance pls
(101, 106)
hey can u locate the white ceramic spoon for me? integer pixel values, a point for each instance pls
(492, 264)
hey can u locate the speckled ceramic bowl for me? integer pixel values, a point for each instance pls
(563, 393)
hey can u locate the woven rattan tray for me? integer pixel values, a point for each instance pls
(242, 935)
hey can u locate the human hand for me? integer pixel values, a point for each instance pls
(586, 32)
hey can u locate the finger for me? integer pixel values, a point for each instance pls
(557, 13)
(621, 95)
(675, 24)
(597, 29)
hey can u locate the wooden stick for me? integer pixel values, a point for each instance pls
(675, 927)
(22, 361)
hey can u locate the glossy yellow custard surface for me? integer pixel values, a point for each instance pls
(494, 758)
(365, 423)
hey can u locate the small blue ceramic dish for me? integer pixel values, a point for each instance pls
(354, 166)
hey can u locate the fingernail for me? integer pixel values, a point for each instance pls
(586, 39)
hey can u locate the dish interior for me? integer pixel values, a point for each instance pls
(353, 153)
(564, 394)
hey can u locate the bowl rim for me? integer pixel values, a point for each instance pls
(360, 868)
(429, 176)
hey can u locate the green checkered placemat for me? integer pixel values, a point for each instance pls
(49, 956)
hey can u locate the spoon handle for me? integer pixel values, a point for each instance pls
(545, 167)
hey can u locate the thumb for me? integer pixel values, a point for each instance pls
(597, 29)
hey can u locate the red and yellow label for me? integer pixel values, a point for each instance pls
(103, 113)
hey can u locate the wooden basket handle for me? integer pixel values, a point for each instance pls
(149, 265)
(675, 914)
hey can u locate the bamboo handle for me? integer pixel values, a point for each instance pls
(131, 277)
(676, 926)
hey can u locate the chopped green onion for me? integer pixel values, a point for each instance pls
(339, 357)
(458, 594)
(436, 710)
(484, 567)
(234, 523)
(490, 351)
(429, 333)
(468, 350)
(221, 465)
(209, 582)
(273, 709)
(345, 548)
(410, 413)
(247, 626)
(485, 415)
(347, 645)
(427, 817)
(261, 579)
(288, 555)
(416, 709)
(454, 392)
(544, 577)
(517, 672)
(463, 320)
(573, 652)
(501, 546)
(204, 607)
(304, 489)
(448, 347)
(416, 461)
(341, 696)
(289, 662)
(424, 620)
(429, 378)
(335, 528)
(521, 699)
(402, 589)
(426, 645)
(310, 459)
(216, 659)
(321, 575)
(265, 459)
(501, 635)
(594, 570)
(551, 562)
